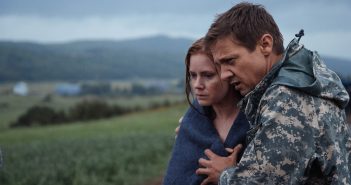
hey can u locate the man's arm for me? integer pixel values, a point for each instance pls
(283, 143)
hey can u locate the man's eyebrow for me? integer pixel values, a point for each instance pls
(227, 58)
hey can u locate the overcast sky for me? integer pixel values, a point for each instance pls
(326, 23)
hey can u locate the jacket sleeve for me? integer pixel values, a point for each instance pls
(283, 140)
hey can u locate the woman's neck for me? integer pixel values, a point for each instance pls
(227, 106)
(224, 109)
(226, 112)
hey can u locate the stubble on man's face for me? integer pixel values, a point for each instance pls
(242, 68)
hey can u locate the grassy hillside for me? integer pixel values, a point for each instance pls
(154, 57)
(132, 149)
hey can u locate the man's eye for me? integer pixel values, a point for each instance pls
(229, 61)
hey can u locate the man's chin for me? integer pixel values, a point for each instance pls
(244, 92)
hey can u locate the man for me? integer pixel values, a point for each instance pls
(295, 105)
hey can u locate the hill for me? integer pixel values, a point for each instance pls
(152, 57)
(340, 66)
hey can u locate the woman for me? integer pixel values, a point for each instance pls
(213, 122)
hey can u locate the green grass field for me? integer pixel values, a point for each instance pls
(132, 149)
(12, 106)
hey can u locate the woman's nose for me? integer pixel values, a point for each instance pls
(199, 83)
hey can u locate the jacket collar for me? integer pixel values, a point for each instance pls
(249, 104)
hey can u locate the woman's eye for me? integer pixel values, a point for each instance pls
(209, 75)
(192, 75)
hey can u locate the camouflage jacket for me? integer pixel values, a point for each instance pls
(298, 133)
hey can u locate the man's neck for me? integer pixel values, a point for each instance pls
(272, 60)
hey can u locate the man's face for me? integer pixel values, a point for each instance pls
(242, 68)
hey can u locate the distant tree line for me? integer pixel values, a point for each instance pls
(106, 89)
(96, 89)
(82, 111)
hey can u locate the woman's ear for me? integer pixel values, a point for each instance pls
(266, 44)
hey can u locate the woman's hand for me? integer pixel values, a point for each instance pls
(178, 127)
(216, 164)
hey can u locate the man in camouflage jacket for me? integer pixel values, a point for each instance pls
(298, 125)
(294, 103)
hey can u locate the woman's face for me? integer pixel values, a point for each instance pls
(205, 81)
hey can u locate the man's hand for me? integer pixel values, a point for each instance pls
(216, 164)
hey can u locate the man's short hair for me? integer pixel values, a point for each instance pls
(245, 23)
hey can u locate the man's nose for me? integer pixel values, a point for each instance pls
(225, 74)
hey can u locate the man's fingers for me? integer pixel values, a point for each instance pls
(229, 150)
(205, 182)
(235, 153)
(238, 148)
(210, 154)
(205, 163)
(203, 171)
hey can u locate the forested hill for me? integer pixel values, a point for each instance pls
(154, 57)
(340, 66)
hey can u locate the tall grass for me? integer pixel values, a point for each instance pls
(130, 159)
(132, 150)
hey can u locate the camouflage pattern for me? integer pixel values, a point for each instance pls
(298, 131)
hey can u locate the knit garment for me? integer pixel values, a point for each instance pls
(196, 134)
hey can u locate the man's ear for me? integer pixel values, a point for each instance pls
(266, 44)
